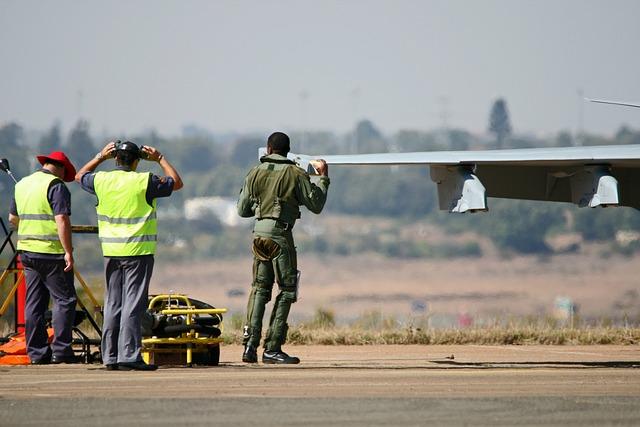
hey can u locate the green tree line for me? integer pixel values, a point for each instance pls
(213, 166)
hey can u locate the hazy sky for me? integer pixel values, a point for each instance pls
(261, 65)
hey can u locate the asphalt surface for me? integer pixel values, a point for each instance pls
(356, 385)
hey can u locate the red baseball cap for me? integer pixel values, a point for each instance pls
(60, 157)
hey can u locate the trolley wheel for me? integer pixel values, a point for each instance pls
(214, 355)
(208, 358)
(95, 357)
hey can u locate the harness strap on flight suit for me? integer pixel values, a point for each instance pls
(252, 187)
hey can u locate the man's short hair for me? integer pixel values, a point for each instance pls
(54, 163)
(125, 159)
(279, 142)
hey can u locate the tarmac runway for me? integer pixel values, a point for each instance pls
(343, 385)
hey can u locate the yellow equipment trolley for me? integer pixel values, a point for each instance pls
(182, 331)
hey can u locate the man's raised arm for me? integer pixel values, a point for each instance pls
(167, 168)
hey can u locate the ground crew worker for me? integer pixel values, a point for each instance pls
(273, 192)
(127, 224)
(40, 211)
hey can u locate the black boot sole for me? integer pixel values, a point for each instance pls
(280, 362)
(122, 367)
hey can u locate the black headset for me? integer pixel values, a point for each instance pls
(130, 147)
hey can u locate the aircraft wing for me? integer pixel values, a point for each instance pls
(606, 101)
(587, 176)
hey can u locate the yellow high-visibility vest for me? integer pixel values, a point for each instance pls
(127, 224)
(37, 230)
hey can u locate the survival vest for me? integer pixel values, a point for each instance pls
(127, 224)
(37, 230)
(272, 186)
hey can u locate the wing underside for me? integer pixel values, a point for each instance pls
(546, 183)
(586, 176)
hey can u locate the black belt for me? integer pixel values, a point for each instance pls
(285, 225)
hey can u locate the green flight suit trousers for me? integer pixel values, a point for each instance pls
(274, 258)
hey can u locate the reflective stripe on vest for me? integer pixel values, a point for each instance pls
(127, 224)
(37, 230)
(127, 220)
(128, 239)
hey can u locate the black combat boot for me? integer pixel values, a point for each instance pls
(279, 357)
(136, 366)
(250, 355)
(56, 360)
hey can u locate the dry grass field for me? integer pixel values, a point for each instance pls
(483, 289)
(374, 292)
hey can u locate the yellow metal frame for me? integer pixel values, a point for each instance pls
(5, 305)
(97, 308)
(191, 339)
(14, 288)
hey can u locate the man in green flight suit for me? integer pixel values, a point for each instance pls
(273, 192)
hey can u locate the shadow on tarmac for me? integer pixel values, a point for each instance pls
(577, 364)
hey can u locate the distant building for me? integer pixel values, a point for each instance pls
(627, 237)
(564, 309)
(224, 208)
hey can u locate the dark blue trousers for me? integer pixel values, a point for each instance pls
(46, 278)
